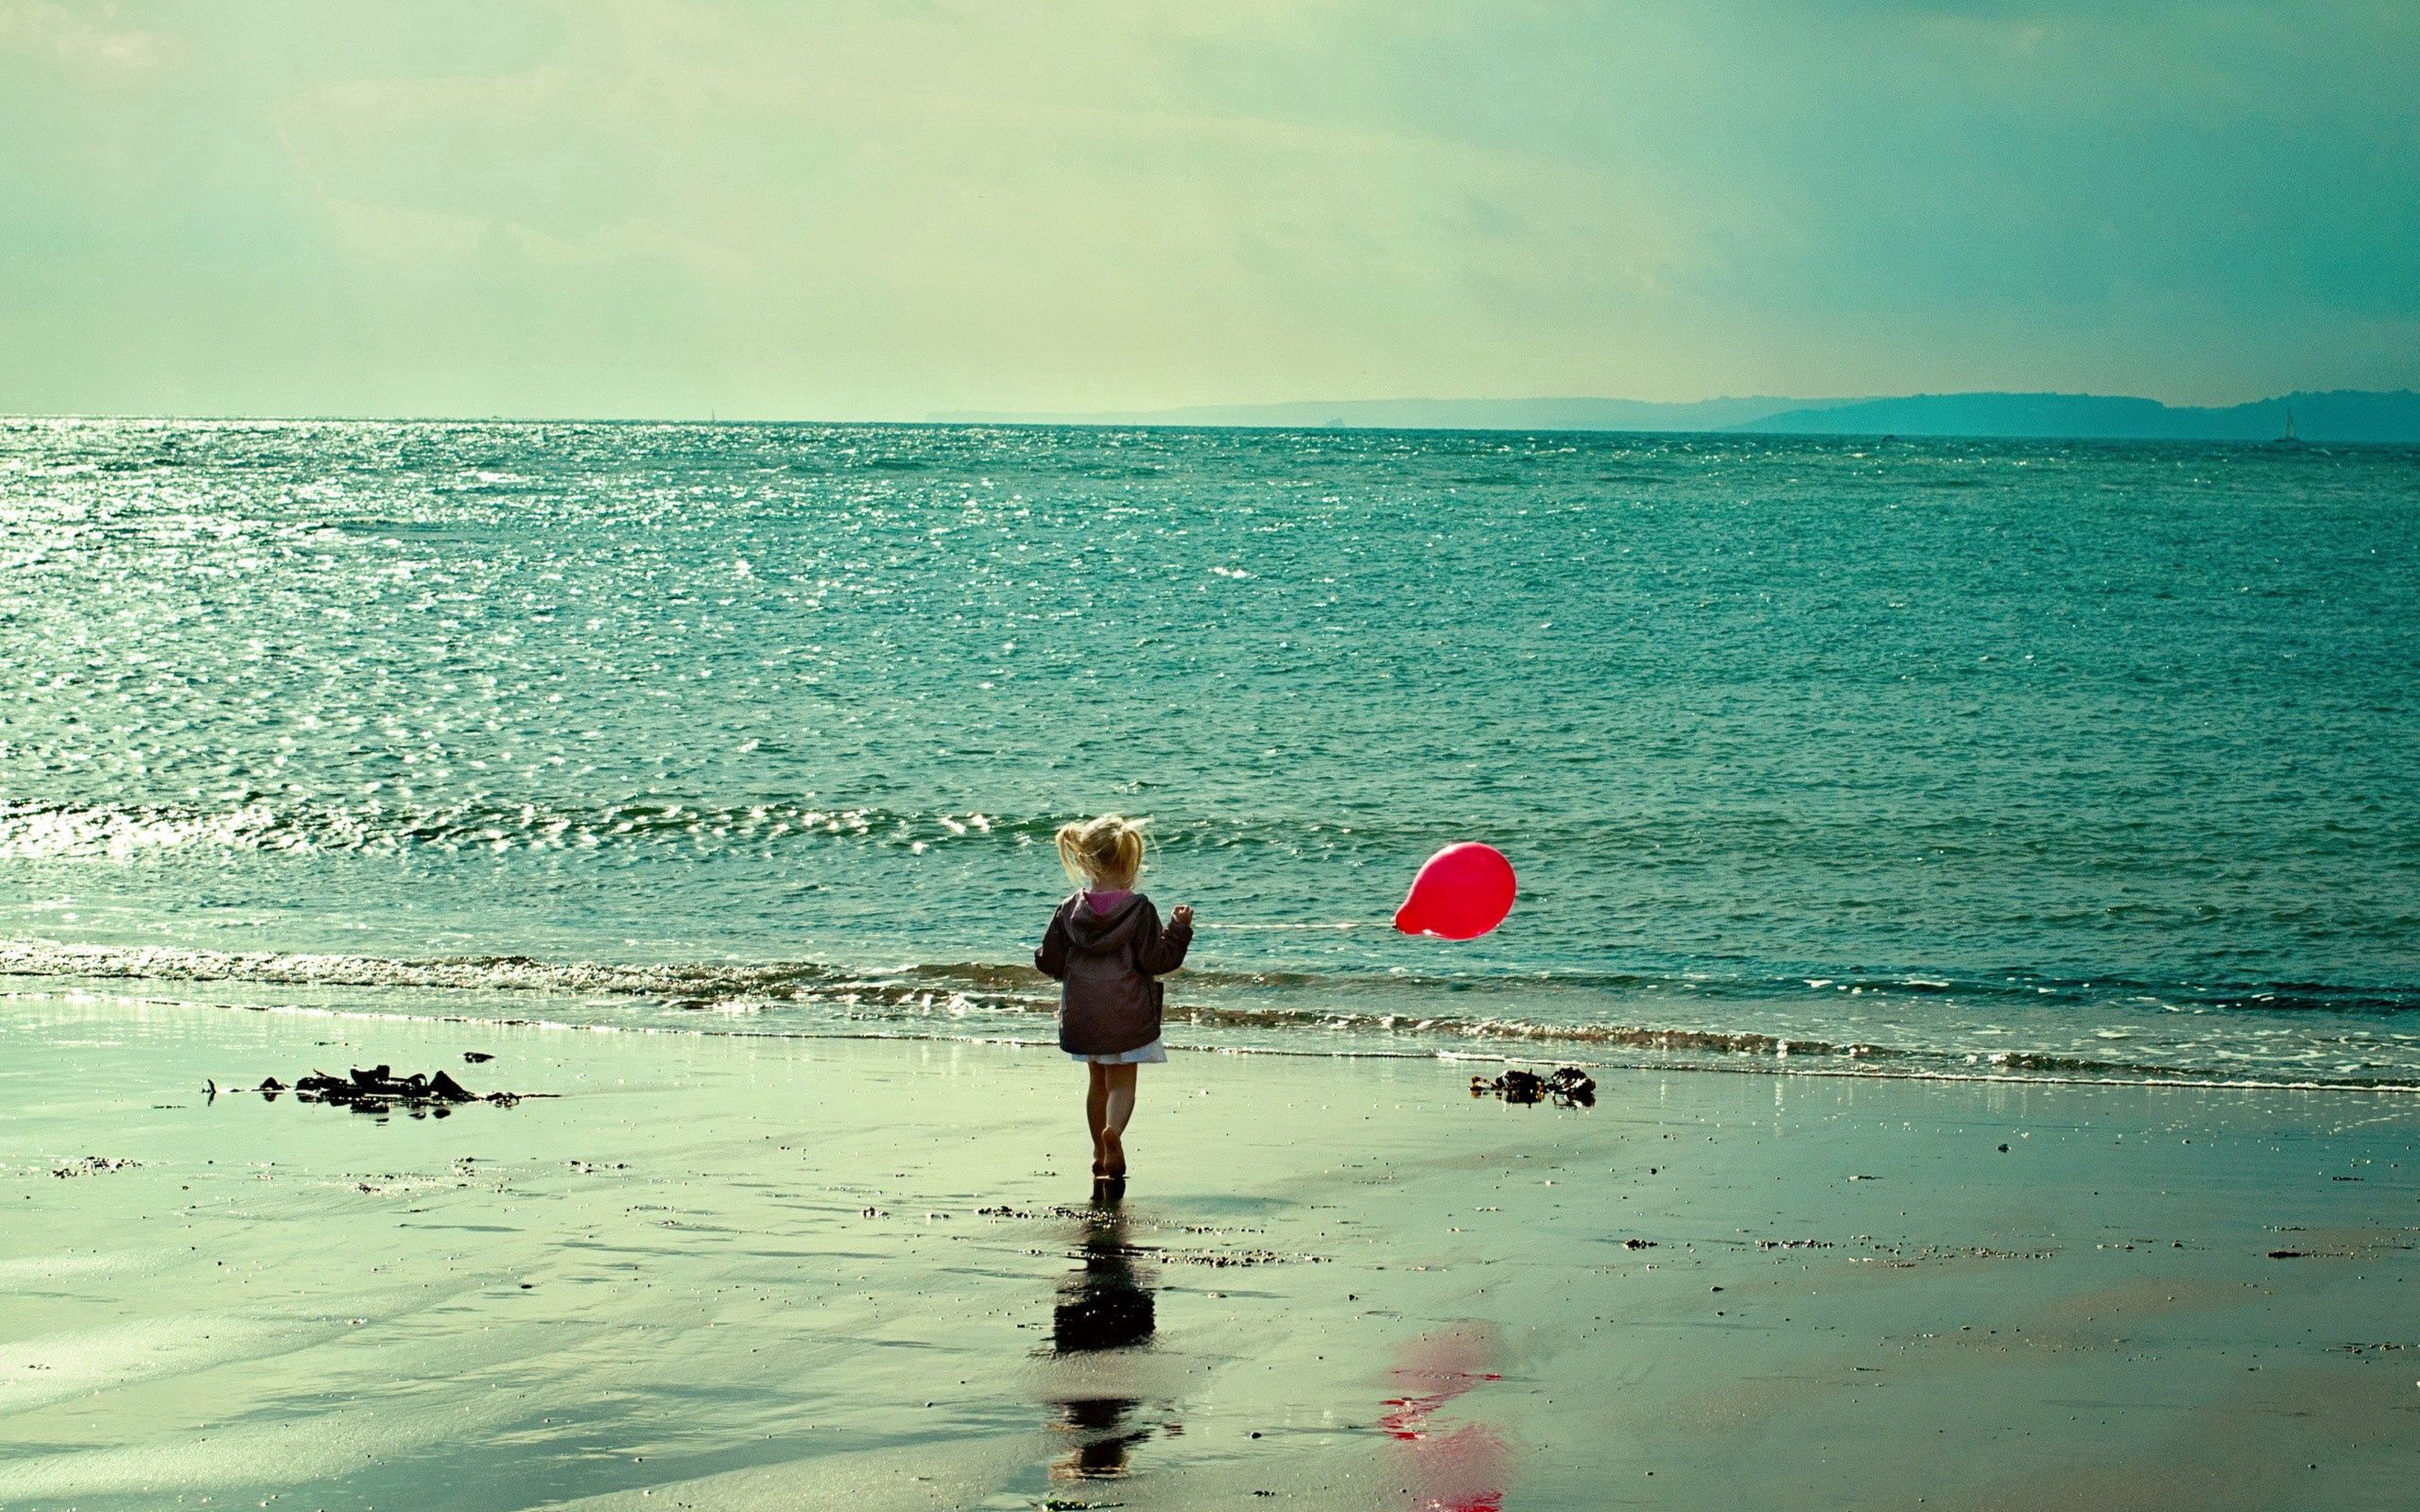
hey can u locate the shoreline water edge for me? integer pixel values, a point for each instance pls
(1921, 1029)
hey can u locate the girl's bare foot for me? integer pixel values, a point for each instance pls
(1113, 1155)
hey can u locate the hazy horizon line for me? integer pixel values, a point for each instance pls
(1044, 416)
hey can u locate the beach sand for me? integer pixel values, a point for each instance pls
(714, 1271)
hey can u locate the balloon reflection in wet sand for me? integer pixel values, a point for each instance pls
(1456, 1470)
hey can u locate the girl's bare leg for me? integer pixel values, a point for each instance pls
(1119, 1109)
(1097, 1113)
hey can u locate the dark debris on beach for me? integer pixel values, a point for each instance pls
(1565, 1087)
(93, 1165)
(378, 1090)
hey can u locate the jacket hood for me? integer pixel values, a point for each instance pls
(1100, 934)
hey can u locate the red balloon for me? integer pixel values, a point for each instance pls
(1463, 891)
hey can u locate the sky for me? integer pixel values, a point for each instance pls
(671, 208)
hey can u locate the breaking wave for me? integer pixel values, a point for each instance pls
(1258, 1012)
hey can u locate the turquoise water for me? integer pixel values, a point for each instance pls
(1963, 758)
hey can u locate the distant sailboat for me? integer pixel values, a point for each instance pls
(2288, 438)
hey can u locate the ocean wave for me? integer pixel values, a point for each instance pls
(33, 830)
(53, 832)
(495, 974)
(990, 1001)
(782, 979)
(387, 820)
(2012, 985)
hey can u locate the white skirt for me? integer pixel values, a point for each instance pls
(1154, 1054)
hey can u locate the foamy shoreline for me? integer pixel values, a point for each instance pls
(2341, 1041)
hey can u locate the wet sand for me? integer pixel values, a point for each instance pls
(716, 1272)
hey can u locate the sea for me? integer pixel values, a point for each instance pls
(2017, 760)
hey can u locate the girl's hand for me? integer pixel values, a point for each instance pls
(1182, 915)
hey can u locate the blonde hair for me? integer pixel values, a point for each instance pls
(1106, 851)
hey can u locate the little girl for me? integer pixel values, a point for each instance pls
(1105, 948)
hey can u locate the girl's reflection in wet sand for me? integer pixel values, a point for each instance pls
(1104, 1307)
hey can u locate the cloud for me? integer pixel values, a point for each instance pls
(84, 38)
(967, 182)
(403, 234)
(856, 206)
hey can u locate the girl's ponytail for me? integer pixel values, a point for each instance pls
(1106, 851)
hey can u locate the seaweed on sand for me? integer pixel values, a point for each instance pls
(1565, 1087)
(378, 1090)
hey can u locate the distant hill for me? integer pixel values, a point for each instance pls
(2337, 414)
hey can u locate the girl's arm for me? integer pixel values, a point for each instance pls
(1158, 951)
(1052, 959)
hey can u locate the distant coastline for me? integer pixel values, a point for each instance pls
(2343, 415)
